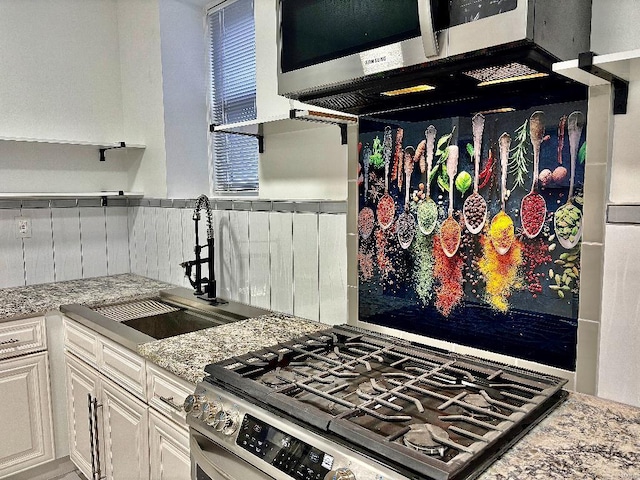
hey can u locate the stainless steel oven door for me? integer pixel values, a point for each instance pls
(210, 461)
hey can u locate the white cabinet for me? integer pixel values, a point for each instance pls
(169, 449)
(108, 427)
(25, 416)
(113, 431)
(82, 385)
(124, 434)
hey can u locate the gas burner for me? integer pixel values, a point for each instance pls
(368, 388)
(426, 438)
(278, 377)
(477, 400)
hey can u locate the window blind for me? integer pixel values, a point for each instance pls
(232, 53)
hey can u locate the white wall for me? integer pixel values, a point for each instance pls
(60, 66)
(614, 26)
(308, 163)
(184, 70)
(142, 96)
(37, 167)
(625, 167)
(60, 70)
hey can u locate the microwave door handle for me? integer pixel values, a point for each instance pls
(429, 39)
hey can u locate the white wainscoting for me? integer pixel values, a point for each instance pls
(70, 239)
(284, 261)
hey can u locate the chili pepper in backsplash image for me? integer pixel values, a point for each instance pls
(516, 196)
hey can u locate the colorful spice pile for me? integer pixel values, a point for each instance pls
(501, 231)
(382, 244)
(475, 210)
(365, 263)
(406, 227)
(365, 222)
(533, 213)
(469, 251)
(536, 254)
(450, 235)
(500, 273)
(423, 268)
(448, 272)
(386, 210)
(427, 215)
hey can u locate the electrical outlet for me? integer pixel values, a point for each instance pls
(23, 225)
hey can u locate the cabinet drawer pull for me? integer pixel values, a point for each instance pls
(169, 401)
(11, 340)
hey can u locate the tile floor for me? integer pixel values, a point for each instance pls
(70, 476)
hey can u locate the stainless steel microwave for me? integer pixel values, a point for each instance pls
(329, 47)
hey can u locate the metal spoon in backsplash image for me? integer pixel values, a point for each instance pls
(427, 209)
(533, 208)
(567, 220)
(366, 216)
(406, 221)
(475, 207)
(386, 206)
(450, 228)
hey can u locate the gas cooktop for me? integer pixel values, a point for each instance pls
(422, 410)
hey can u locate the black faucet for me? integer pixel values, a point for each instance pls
(204, 288)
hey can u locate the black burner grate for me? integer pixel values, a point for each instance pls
(374, 391)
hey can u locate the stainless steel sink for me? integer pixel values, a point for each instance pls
(174, 312)
(161, 319)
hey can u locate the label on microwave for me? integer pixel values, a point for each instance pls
(382, 59)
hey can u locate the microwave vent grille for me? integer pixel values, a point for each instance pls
(501, 72)
(343, 102)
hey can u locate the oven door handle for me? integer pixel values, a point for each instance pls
(202, 457)
(219, 463)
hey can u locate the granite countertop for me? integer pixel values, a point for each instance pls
(37, 299)
(586, 438)
(187, 355)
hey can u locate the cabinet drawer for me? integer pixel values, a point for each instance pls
(166, 393)
(123, 366)
(81, 341)
(19, 337)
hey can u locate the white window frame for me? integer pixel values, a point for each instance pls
(215, 190)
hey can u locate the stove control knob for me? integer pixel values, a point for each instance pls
(209, 411)
(340, 474)
(193, 404)
(226, 422)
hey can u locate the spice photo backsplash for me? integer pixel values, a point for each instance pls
(469, 229)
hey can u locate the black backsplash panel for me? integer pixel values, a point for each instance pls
(535, 316)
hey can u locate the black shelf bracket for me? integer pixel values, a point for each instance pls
(104, 149)
(259, 136)
(620, 85)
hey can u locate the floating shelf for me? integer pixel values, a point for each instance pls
(102, 147)
(625, 65)
(617, 69)
(286, 123)
(42, 195)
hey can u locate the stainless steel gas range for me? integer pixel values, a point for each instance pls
(350, 404)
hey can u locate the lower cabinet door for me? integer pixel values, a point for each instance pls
(125, 434)
(81, 382)
(169, 449)
(25, 413)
